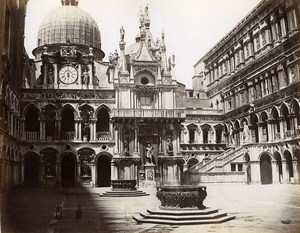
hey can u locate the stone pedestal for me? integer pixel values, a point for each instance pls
(147, 179)
(50, 181)
(170, 169)
(86, 181)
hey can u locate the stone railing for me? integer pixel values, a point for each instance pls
(103, 136)
(32, 136)
(175, 197)
(123, 184)
(68, 135)
(148, 113)
(202, 146)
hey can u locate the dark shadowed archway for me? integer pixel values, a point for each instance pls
(104, 170)
(265, 169)
(68, 170)
(31, 170)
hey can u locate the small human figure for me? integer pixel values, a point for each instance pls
(78, 212)
(122, 33)
(246, 132)
(85, 77)
(126, 147)
(85, 167)
(58, 210)
(149, 153)
(169, 146)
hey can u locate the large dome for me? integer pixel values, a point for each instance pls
(69, 23)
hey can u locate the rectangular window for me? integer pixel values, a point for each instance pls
(240, 167)
(146, 101)
(236, 167)
(233, 167)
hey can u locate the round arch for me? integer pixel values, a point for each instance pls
(191, 162)
(265, 168)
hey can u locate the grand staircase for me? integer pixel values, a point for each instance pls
(183, 217)
(217, 164)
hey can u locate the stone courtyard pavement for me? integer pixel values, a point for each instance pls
(258, 208)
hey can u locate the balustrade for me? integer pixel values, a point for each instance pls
(68, 135)
(103, 136)
(155, 113)
(32, 136)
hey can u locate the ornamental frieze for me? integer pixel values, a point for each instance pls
(152, 68)
(68, 96)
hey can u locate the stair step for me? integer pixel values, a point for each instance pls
(183, 212)
(123, 194)
(183, 217)
(120, 191)
(140, 195)
(184, 222)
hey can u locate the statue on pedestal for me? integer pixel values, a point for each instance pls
(169, 146)
(149, 153)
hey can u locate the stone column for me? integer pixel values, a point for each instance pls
(41, 129)
(93, 129)
(78, 177)
(55, 76)
(117, 140)
(76, 130)
(282, 130)
(90, 84)
(296, 166)
(58, 132)
(22, 133)
(79, 130)
(94, 174)
(79, 81)
(114, 170)
(275, 172)
(285, 172)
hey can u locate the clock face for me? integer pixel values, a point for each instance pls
(68, 74)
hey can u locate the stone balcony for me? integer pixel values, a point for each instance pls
(149, 113)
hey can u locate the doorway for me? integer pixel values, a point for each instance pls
(265, 169)
(68, 166)
(31, 170)
(104, 171)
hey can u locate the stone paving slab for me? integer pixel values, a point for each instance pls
(267, 208)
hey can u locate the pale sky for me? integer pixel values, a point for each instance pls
(192, 27)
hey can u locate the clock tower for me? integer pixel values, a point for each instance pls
(69, 49)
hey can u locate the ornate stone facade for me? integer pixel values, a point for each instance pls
(80, 121)
(252, 74)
